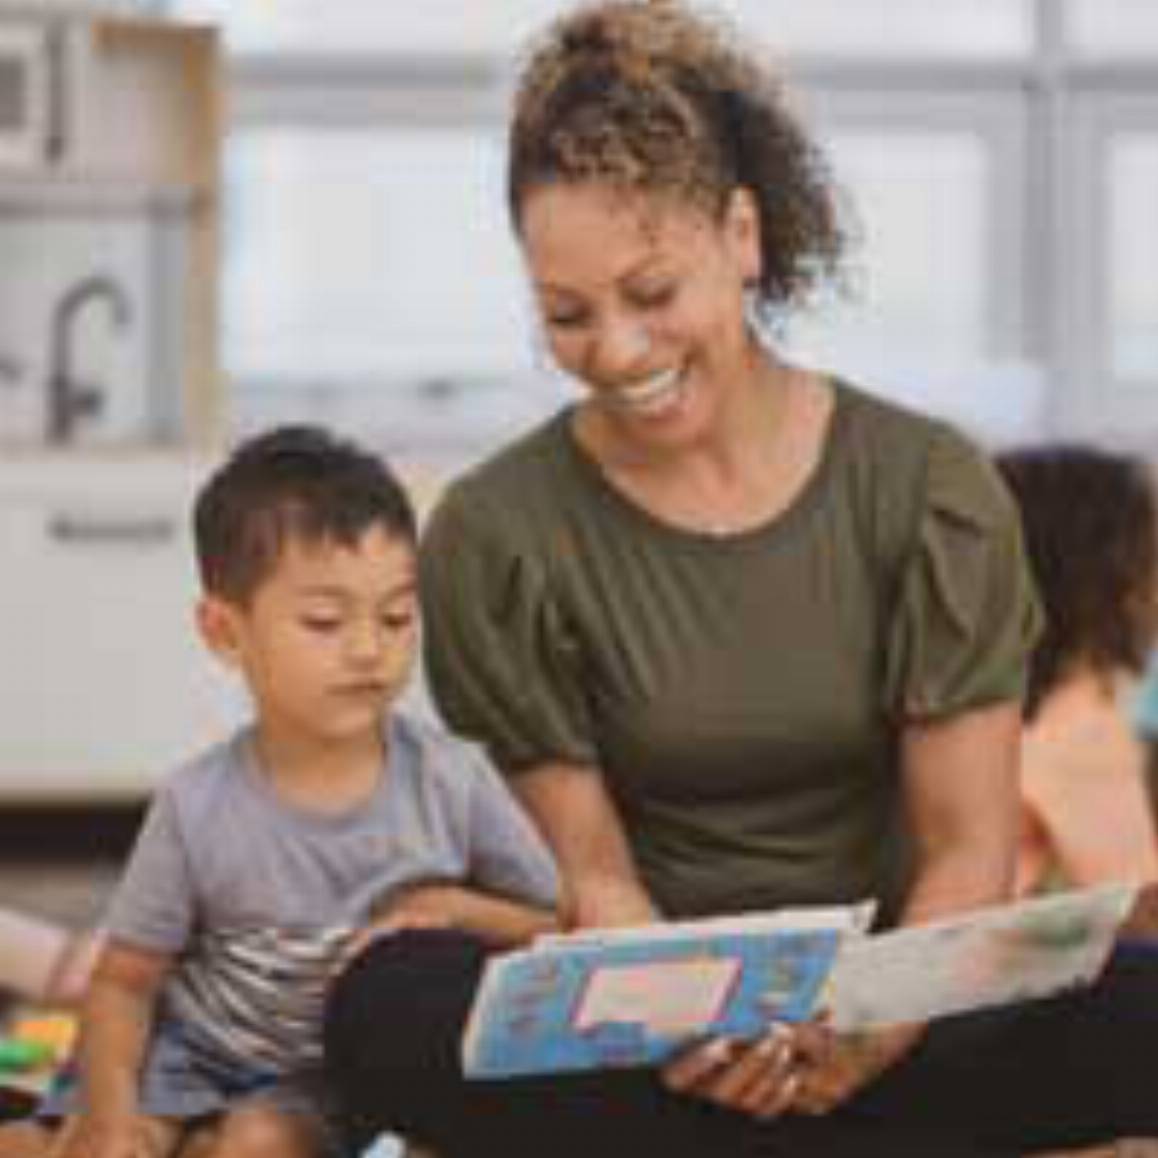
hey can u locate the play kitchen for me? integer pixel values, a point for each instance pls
(109, 398)
(107, 191)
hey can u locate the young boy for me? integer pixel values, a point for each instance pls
(262, 863)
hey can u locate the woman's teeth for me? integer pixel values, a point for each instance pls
(652, 394)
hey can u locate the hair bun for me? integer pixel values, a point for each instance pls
(590, 37)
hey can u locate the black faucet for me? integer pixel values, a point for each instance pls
(68, 400)
(10, 370)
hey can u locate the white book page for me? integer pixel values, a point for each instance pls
(983, 958)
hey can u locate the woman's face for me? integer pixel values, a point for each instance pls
(642, 299)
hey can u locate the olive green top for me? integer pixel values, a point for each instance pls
(740, 694)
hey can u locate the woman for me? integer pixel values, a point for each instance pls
(741, 635)
(1089, 519)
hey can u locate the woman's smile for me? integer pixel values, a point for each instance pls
(655, 396)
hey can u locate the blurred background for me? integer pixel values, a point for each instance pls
(218, 214)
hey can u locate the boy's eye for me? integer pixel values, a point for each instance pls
(564, 321)
(321, 623)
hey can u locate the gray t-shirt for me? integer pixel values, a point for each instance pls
(256, 898)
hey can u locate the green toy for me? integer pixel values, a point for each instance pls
(18, 1055)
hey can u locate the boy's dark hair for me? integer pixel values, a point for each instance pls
(293, 482)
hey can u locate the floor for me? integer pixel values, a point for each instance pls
(61, 863)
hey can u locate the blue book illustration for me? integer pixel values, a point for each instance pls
(592, 1003)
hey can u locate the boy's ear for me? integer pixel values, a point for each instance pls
(219, 628)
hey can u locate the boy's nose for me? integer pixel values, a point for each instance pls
(364, 644)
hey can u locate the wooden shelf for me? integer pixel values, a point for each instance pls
(72, 195)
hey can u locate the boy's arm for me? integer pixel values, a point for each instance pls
(116, 1021)
(497, 920)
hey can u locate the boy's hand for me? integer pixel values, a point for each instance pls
(495, 920)
(418, 907)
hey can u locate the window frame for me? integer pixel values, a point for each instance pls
(1046, 117)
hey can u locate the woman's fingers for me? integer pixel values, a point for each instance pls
(814, 1042)
(691, 1068)
(764, 1083)
(754, 1078)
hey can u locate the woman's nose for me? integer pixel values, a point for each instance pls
(621, 349)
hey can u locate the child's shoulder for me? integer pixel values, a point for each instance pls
(207, 774)
(435, 751)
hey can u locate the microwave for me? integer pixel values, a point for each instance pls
(26, 53)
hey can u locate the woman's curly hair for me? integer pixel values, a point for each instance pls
(1089, 520)
(644, 96)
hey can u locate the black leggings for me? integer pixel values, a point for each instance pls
(1068, 1071)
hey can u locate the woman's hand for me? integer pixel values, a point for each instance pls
(762, 1078)
(802, 1069)
(844, 1064)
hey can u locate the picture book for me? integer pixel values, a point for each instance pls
(635, 996)
(630, 997)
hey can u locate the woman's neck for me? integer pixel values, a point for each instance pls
(748, 467)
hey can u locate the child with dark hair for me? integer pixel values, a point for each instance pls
(1092, 539)
(272, 857)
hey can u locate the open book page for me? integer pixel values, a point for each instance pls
(986, 957)
(636, 997)
(854, 919)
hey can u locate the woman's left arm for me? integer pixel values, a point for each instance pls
(961, 793)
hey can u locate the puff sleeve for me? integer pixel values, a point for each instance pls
(503, 666)
(967, 614)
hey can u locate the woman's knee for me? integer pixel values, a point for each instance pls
(393, 1025)
(402, 1002)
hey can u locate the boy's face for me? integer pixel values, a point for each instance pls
(327, 640)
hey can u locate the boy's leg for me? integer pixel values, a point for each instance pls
(153, 1137)
(27, 1139)
(259, 1128)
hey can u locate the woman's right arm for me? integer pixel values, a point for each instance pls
(116, 1022)
(579, 821)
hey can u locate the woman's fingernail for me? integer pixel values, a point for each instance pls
(719, 1050)
(768, 1045)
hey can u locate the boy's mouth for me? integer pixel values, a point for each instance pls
(363, 688)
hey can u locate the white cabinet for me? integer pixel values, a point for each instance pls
(104, 684)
